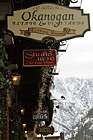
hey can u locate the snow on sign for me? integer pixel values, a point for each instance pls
(39, 58)
(48, 20)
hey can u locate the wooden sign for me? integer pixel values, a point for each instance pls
(45, 130)
(39, 58)
(48, 20)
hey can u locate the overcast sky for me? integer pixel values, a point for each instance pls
(77, 61)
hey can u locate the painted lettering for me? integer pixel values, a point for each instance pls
(26, 16)
(46, 17)
(34, 15)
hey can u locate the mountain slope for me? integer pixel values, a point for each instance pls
(78, 101)
(84, 128)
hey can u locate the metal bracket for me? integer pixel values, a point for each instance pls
(49, 42)
(62, 1)
(73, 1)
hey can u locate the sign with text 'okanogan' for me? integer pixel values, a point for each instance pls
(48, 20)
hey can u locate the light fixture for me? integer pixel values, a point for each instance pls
(16, 79)
(12, 131)
(24, 125)
(22, 111)
(25, 132)
(54, 109)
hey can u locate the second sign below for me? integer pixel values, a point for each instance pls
(39, 58)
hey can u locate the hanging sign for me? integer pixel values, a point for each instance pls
(48, 20)
(43, 115)
(45, 130)
(39, 58)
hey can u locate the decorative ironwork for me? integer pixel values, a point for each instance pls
(49, 42)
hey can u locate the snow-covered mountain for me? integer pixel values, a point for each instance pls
(83, 129)
(78, 101)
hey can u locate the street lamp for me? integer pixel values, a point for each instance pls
(24, 125)
(26, 132)
(16, 79)
(22, 111)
